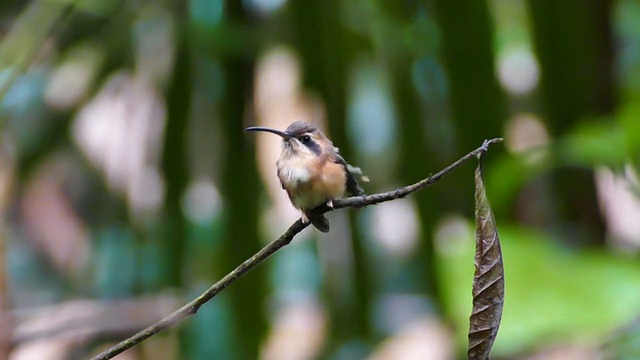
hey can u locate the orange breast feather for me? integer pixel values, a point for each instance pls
(334, 179)
(312, 183)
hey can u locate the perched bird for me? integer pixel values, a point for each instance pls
(312, 171)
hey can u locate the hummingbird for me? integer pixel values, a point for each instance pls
(311, 170)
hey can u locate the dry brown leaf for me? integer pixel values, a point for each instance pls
(488, 280)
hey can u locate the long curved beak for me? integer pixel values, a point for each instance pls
(282, 134)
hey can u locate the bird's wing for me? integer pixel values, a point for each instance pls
(353, 187)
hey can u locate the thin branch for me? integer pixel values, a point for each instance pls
(357, 201)
(366, 200)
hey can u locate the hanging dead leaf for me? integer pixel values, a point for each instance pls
(488, 280)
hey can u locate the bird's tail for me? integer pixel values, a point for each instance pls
(320, 222)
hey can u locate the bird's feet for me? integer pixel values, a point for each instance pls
(305, 218)
(330, 203)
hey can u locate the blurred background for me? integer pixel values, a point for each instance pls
(127, 184)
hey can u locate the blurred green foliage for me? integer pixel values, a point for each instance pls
(551, 290)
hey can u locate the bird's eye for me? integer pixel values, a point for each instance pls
(305, 139)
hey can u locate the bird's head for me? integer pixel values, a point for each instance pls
(300, 138)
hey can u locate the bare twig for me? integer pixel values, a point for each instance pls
(357, 201)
